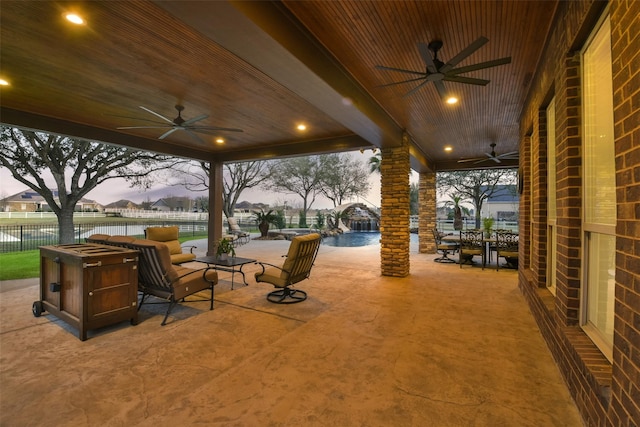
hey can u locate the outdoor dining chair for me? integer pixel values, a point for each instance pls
(471, 244)
(506, 247)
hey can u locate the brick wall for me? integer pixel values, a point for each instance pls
(625, 44)
(607, 394)
(394, 210)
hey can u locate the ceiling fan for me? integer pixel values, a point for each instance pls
(179, 123)
(511, 155)
(438, 71)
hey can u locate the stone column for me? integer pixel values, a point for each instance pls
(426, 212)
(394, 213)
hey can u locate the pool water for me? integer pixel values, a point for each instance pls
(357, 238)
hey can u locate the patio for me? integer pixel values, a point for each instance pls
(442, 347)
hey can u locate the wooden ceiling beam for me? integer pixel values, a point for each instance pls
(38, 122)
(298, 148)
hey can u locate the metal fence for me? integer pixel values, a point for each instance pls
(15, 238)
(470, 224)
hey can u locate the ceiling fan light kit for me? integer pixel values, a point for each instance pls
(439, 72)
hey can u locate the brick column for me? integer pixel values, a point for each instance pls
(568, 190)
(426, 212)
(394, 212)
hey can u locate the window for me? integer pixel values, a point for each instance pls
(552, 239)
(599, 191)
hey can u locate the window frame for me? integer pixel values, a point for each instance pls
(593, 230)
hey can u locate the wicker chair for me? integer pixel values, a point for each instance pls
(297, 267)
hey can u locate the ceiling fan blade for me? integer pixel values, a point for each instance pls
(136, 118)
(425, 53)
(471, 160)
(167, 133)
(195, 119)
(211, 130)
(481, 160)
(441, 89)
(481, 41)
(403, 81)
(479, 66)
(196, 137)
(467, 80)
(144, 127)
(415, 88)
(400, 70)
(157, 114)
(509, 154)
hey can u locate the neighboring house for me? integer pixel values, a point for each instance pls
(503, 205)
(30, 201)
(245, 208)
(123, 204)
(174, 204)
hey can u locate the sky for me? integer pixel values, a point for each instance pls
(118, 189)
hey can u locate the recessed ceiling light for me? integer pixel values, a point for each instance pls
(452, 100)
(301, 126)
(4, 82)
(74, 18)
(219, 141)
(448, 148)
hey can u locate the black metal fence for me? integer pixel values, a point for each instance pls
(15, 238)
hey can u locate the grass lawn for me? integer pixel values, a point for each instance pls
(25, 265)
(19, 265)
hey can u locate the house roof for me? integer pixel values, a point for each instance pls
(30, 196)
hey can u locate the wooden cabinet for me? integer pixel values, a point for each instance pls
(88, 285)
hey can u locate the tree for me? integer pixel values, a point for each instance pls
(343, 178)
(76, 166)
(456, 199)
(299, 175)
(414, 199)
(374, 163)
(475, 185)
(264, 219)
(237, 178)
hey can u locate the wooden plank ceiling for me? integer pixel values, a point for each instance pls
(264, 67)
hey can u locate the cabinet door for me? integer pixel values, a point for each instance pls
(112, 291)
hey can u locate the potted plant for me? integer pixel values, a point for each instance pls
(487, 224)
(264, 219)
(225, 248)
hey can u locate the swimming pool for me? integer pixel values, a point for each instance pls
(357, 238)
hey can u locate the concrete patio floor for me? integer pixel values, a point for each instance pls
(442, 347)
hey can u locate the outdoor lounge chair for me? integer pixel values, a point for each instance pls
(242, 236)
(297, 267)
(169, 236)
(444, 248)
(159, 277)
